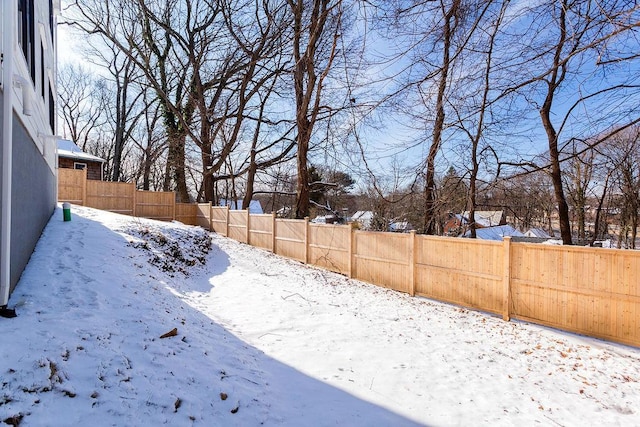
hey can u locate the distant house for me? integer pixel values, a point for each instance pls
(400, 227)
(327, 219)
(363, 218)
(487, 218)
(495, 233)
(538, 233)
(458, 223)
(27, 128)
(70, 156)
(254, 206)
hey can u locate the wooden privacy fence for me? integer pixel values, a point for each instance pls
(591, 291)
(120, 197)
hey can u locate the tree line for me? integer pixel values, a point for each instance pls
(413, 98)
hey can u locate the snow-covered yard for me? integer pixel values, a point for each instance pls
(261, 340)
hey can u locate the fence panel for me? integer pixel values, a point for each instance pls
(115, 197)
(290, 238)
(71, 185)
(261, 231)
(383, 259)
(329, 247)
(219, 219)
(186, 213)
(461, 271)
(203, 215)
(238, 225)
(591, 291)
(155, 205)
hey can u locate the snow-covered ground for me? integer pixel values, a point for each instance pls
(261, 340)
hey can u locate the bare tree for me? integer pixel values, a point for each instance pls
(478, 113)
(317, 26)
(438, 38)
(82, 99)
(564, 41)
(579, 179)
(623, 151)
(150, 140)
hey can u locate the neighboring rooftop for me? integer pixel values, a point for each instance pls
(486, 218)
(70, 150)
(495, 233)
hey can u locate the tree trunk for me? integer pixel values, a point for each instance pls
(175, 170)
(122, 120)
(303, 191)
(556, 77)
(251, 176)
(438, 127)
(596, 226)
(556, 179)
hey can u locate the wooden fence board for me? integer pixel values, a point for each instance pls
(72, 185)
(115, 197)
(186, 213)
(261, 231)
(461, 271)
(155, 205)
(219, 219)
(290, 238)
(203, 215)
(383, 259)
(592, 291)
(329, 247)
(238, 225)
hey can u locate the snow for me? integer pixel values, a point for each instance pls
(262, 340)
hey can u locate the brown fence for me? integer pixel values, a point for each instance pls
(586, 290)
(468, 272)
(119, 197)
(187, 213)
(72, 186)
(261, 232)
(591, 291)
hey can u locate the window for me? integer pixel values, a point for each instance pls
(80, 166)
(26, 34)
(51, 21)
(52, 110)
(42, 88)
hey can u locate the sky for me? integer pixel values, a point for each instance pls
(129, 321)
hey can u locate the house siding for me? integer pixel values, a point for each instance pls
(33, 199)
(29, 76)
(2, 202)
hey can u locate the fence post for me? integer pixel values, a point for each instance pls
(173, 206)
(84, 187)
(412, 263)
(306, 240)
(226, 233)
(273, 232)
(506, 268)
(210, 216)
(133, 200)
(248, 227)
(352, 232)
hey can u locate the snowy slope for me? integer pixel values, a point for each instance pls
(267, 341)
